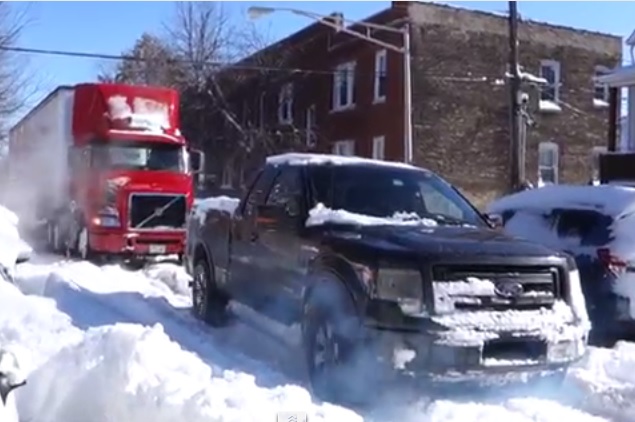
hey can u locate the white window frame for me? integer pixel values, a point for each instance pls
(548, 104)
(311, 138)
(379, 147)
(381, 69)
(344, 148)
(285, 104)
(603, 100)
(344, 72)
(553, 148)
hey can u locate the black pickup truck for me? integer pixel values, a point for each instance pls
(385, 266)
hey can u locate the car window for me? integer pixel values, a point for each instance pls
(437, 203)
(590, 228)
(259, 189)
(286, 186)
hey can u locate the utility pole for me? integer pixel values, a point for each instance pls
(514, 97)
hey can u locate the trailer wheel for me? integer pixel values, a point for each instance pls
(83, 245)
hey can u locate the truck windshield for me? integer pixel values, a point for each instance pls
(383, 191)
(139, 156)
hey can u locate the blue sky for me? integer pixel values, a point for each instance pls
(111, 27)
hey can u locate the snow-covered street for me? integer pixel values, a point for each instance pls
(108, 343)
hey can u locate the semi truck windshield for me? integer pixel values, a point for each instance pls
(133, 156)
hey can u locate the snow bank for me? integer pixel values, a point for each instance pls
(134, 373)
(222, 203)
(320, 215)
(11, 245)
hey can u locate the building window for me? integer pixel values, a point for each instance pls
(311, 137)
(600, 90)
(344, 86)
(344, 148)
(550, 93)
(285, 104)
(381, 69)
(378, 147)
(595, 163)
(547, 163)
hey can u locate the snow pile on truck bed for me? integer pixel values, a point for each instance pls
(225, 204)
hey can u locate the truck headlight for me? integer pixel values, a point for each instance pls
(107, 217)
(404, 287)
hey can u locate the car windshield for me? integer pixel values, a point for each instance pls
(139, 156)
(383, 191)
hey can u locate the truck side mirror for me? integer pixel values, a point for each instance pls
(197, 161)
(494, 220)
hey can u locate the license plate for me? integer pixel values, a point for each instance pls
(157, 249)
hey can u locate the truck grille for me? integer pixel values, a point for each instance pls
(480, 287)
(156, 212)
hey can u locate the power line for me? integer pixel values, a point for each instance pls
(229, 65)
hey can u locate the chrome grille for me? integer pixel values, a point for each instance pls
(157, 211)
(469, 288)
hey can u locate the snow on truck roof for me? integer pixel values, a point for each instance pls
(610, 199)
(306, 159)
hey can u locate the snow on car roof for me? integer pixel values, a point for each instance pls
(610, 199)
(303, 159)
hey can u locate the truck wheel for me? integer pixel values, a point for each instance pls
(333, 346)
(83, 245)
(208, 303)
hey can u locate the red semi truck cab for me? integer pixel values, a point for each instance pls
(128, 184)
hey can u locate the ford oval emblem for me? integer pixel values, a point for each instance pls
(508, 289)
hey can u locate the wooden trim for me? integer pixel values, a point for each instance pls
(613, 114)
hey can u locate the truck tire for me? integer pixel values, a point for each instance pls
(208, 303)
(54, 234)
(333, 345)
(82, 245)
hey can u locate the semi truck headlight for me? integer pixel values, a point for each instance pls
(107, 217)
(401, 286)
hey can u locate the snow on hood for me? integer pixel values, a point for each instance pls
(320, 215)
(222, 203)
(11, 245)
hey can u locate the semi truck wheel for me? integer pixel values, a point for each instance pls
(55, 241)
(83, 245)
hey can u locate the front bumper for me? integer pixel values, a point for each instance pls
(139, 243)
(508, 356)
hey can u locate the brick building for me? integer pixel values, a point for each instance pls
(351, 100)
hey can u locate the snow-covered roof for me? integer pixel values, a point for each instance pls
(610, 199)
(622, 76)
(303, 159)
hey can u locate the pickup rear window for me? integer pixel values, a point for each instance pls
(380, 191)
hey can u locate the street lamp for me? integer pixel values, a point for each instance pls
(255, 12)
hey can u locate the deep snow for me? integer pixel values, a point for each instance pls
(105, 343)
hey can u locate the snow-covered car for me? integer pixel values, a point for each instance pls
(596, 225)
(385, 266)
